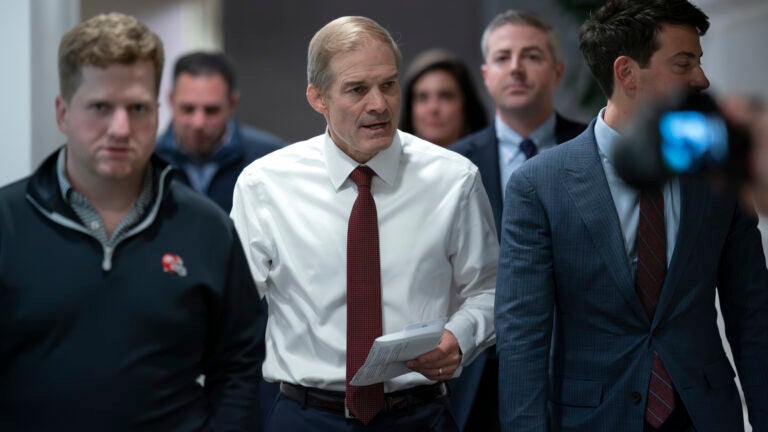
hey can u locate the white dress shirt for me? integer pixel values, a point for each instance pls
(438, 251)
(627, 199)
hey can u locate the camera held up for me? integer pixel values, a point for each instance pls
(685, 134)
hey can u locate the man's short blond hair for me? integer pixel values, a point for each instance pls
(342, 35)
(102, 41)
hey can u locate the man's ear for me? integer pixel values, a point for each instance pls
(316, 99)
(170, 98)
(61, 114)
(234, 98)
(625, 73)
(559, 70)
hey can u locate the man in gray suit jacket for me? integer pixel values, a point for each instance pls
(583, 343)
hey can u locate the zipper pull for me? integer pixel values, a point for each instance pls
(106, 263)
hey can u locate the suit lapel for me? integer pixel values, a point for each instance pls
(487, 158)
(588, 188)
(694, 199)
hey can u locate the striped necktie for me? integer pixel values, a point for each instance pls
(651, 271)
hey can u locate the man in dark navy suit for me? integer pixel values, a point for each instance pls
(522, 68)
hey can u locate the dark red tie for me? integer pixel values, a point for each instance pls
(528, 147)
(651, 271)
(363, 295)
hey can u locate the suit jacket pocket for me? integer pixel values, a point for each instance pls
(719, 374)
(576, 392)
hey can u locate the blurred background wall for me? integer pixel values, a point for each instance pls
(267, 39)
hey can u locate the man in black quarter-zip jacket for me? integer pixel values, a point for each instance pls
(118, 287)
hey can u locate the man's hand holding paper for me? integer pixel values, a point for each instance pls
(424, 343)
(440, 363)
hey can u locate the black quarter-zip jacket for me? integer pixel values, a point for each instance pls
(115, 340)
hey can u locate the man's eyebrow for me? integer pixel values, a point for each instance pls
(688, 54)
(352, 83)
(393, 77)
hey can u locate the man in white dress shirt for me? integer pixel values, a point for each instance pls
(436, 244)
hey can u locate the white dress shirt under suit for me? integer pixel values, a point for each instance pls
(438, 251)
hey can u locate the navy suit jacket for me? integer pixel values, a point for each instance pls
(482, 148)
(575, 346)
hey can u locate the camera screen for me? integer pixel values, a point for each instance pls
(690, 139)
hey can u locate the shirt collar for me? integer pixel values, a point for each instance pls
(606, 137)
(64, 185)
(67, 190)
(385, 164)
(544, 133)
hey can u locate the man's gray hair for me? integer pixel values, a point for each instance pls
(342, 35)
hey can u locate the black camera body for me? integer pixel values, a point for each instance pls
(685, 134)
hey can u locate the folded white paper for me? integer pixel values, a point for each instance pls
(388, 355)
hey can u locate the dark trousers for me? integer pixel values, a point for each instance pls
(485, 410)
(267, 394)
(290, 416)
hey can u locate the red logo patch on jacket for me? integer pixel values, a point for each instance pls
(173, 263)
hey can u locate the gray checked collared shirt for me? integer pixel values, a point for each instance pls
(88, 215)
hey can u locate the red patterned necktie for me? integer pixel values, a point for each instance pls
(363, 295)
(651, 271)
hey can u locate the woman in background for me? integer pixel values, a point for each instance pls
(440, 103)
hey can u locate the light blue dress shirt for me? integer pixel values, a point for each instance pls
(510, 156)
(627, 199)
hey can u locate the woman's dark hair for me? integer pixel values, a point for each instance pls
(474, 112)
